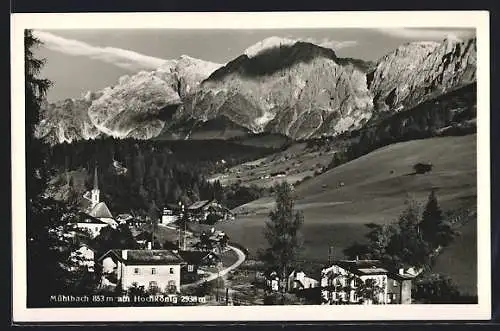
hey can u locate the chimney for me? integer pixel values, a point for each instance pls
(401, 271)
(149, 245)
(124, 254)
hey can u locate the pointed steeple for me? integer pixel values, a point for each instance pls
(96, 181)
(95, 191)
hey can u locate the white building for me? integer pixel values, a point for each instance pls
(155, 270)
(96, 215)
(297, 280)
(83, 257)
(170, 214)
(364, 281)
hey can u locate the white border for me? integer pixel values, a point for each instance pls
(470, 19)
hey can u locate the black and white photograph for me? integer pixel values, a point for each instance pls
(334, 167)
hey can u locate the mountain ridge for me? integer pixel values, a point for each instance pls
(294, 88)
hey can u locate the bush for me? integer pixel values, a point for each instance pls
(436, 288)
(422, 168)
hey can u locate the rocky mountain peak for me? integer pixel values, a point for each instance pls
(279, 85)
(133, 107)
(416, 71)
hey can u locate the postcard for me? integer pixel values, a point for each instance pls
(279, 166)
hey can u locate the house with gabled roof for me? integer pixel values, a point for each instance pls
(90, 225)
(298, 280)
(201, 210)
(154, 270)
(193, 259)
(365, 281)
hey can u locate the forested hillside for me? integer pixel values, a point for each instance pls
(134, 173)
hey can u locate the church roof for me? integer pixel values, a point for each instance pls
(85, 218)
(198, 204)
(101, 211)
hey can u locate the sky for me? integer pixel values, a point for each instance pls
(78, 61)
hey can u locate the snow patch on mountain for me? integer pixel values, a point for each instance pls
(268, 43)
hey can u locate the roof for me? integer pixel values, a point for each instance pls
(363, 267)
(101, 211)
(196, 257)
(400, 277)
(116, 252)
(145, 256)
(199, 204)
(88, 219)
(172, 206)
(124, 217)
(144, 235)
(156, 256)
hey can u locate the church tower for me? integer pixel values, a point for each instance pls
(95, 191)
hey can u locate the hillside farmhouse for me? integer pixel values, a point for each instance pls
(201, 211)
(365, 281)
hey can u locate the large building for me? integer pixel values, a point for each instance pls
(154, 270)
(365, 281)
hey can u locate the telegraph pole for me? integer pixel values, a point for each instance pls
(185, 228)
(330, 255)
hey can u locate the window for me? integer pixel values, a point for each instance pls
(153, 285)
(153, 271)
(394, 283)
(171, 288)
(190, 268)
(136, 271)
(171, 270)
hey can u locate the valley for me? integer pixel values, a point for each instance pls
(375, 188)
(203, 146)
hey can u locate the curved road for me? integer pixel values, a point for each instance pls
(223, 272)
(213, 276)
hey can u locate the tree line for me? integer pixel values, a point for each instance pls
(134, 173)
(444, 115)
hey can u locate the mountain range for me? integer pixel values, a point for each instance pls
(292, 88)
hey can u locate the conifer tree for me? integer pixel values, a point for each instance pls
(35, 91)
(435, 229)
(282, 231)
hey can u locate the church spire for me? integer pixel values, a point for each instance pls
(95, 191)
(96, 181)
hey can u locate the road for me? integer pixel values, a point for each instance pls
(223, 272)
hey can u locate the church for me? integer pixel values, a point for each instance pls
(95, 214)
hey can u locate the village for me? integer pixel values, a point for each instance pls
(197, 259)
